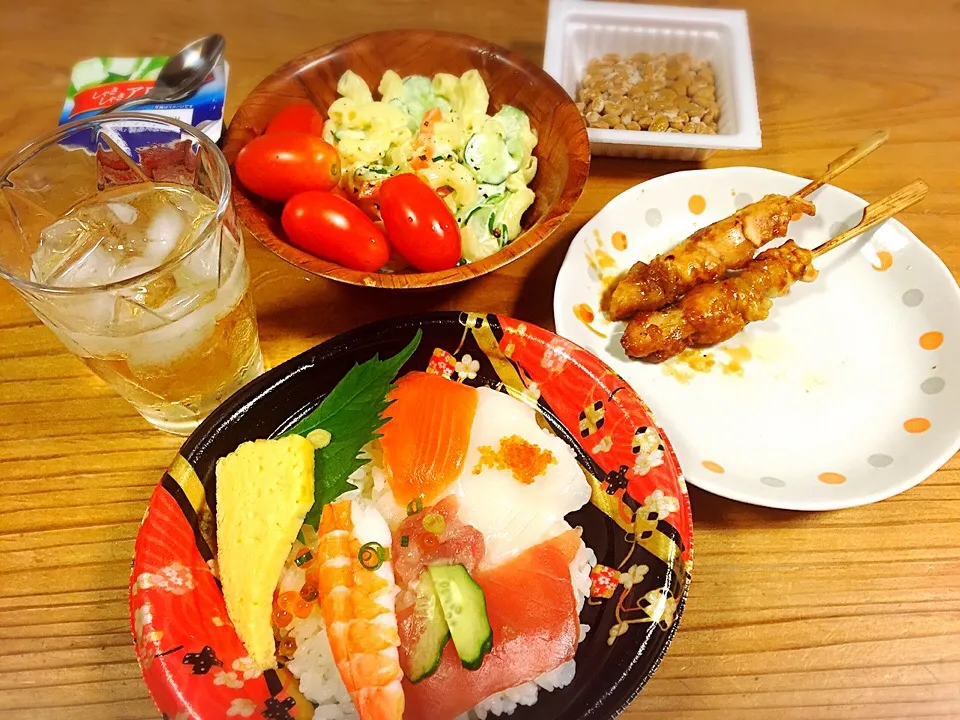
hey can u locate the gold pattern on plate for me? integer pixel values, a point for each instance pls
(186, 477)
(506, 370)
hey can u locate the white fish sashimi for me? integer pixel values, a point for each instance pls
(512, 515)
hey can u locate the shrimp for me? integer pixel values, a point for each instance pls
(357, 596)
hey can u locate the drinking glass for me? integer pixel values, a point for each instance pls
(119, 233)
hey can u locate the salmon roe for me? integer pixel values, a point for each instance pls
(428, 540)
(286, 600)
(301, 608)
(281, 618)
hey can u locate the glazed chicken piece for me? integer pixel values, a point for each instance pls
(705, 256)
(716, 311)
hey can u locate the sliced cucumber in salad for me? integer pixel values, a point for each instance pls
(484, 231)
(486, 191)
(485, 225)
(489, 157)
(376, 171)
(417, 97)
(516, 126)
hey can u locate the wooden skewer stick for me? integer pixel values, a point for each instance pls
(846, 161)
(876, 213)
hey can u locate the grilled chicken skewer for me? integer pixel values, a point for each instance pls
(728, 244)
(716, 311)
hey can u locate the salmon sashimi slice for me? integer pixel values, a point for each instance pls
(533, 614)
(426, 438)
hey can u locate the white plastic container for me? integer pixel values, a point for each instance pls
(580, 30)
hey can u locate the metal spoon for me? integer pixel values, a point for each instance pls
(182, 75)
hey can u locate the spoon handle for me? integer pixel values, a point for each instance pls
(129, 102)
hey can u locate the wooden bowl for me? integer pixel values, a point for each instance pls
(563, 150)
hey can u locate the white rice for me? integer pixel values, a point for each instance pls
(320, 681)
(313, 666)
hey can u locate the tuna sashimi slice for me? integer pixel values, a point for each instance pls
(425, 441)
(533, 614)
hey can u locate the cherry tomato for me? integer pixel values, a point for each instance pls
(297, 118)
(334, 229)
(419, 224)
(280, 165)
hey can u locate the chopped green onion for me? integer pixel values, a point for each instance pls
(319, 438)
(415, 506)
(372, 555)
(303, 558)
(404, 541)
(434, 523)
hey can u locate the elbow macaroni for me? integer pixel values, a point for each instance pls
(424, 126)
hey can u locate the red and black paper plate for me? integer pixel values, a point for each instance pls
(638, 521)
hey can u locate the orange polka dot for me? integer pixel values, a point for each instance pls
(885, 259)
(832, 478)
(713, 467)
(697, 204)
(931, 340)
(916, 425)
(619, 241)
(583, 313)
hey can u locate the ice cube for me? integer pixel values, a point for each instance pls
(186, 204)
(135, 312)
(166, 344)
(132, 268)
(186, 301)
(151, 294)
(96, 267)
(58, 242)
(62, 255)
(164, 233)
(98, 310)
(156, 293)
(125, 213)
(203, 264)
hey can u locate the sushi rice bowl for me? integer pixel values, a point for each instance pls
(408, 548)
(404, 596)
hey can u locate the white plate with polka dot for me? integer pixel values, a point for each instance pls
(845, 395)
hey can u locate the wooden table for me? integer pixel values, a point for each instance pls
(850, 614)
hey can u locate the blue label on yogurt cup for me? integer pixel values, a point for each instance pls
(96, 83)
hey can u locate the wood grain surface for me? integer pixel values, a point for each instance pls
(848, 614)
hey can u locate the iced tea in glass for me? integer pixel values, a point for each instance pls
(119, 233)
